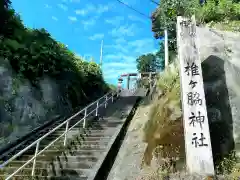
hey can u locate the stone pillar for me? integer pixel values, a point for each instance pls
(120, 84)
(139, 80)
(150, 80)
(128, 81)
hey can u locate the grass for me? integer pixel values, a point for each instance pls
(164, 133)
(226, 25)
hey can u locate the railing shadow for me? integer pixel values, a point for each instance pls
(30, 152)
(74, 143)
(218, 108)
(100, 123)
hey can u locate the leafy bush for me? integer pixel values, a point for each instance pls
(33, 53)
(227, 25)
(165, 16)
(164, 128)
(223, 10)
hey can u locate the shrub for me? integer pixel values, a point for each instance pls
(164, 127)
(33, 54)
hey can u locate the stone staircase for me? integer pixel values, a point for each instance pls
(85, 151)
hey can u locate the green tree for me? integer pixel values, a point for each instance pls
(165, 16)
(147, 63)
(33, 53)
(160, 55)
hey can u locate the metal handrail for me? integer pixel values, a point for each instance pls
(37, 142)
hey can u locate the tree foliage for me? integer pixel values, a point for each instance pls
(218, 11)
(33, 53)
(165, 16)
(148, 63)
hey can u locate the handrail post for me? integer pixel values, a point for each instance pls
(36, 143)
(35, 156)
(85, 116)
(97, 108)
(106, 101)
(66, 132)
(118, 93)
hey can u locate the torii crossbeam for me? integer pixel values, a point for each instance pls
(143, 74)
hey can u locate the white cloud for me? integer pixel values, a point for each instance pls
(124, 30)
(116, 64)
(96, 36)
(119, 61)
(72, 18)
(114, 69)
(63, 7)
(142, 46)
(120, 65)
(88, 23)
(114, 74)
(54, 18)
(47, 6)
(102, 8)
(120, 40)
(118, 47)
(90, 8)
(120, 57)
(115, 20)
(136, 18)
(135, 48)
(81, 12)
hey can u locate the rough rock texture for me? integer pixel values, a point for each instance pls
(220, 55)
(24, 107)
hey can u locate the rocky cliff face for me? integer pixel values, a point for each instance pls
(24, 107)
(220, 55)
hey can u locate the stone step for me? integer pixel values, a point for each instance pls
(97, 138)
(20, 163)
(62, 164)
(76, 143)
(84, 165)
(44, 163)
(25, 177)
(75, 151)
(80, 126)
(53, 170)
(76, 146)
(87, 148)
(80, 139)
(52, 155)
(94, 132)
(9, 170)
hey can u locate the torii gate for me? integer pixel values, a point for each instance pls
(150, 75)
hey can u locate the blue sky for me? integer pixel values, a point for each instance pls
(82, 24)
